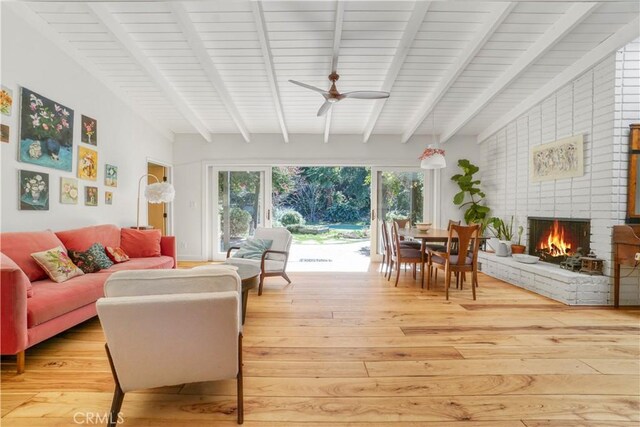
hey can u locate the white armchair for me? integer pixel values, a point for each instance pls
(274, 260)
(169, 327)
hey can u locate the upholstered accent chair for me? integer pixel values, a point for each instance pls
(274, 260)
(170, 327)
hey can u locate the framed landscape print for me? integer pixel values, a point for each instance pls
(91, 196)
(46, 132)
(89, 130)
(87, 163)
(108, 198)
(110, 175)
(34, 191)
(6, 101)
(68, 191)
(4, 133)
(557, 160)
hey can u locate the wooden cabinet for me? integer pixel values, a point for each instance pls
(633, 195)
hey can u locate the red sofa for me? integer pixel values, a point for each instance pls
(33, 307)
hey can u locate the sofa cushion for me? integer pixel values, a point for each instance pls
(19, 247)
(140, 243)
(57, 264)
(97, 250)
(85, 261)
(81, 239)
(51, 299)
(150, 263)
(11, 272)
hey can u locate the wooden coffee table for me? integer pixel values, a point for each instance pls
(250, 276)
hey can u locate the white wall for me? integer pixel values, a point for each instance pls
(124, 139)
(585, 106)
(191, 153)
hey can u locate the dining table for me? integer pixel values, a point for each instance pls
(432, 235)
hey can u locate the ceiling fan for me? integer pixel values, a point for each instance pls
(332, 95)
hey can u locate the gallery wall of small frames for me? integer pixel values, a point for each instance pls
(45, 139)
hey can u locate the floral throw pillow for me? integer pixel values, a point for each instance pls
(117, 255)
(57, 264)
(97, 250)
(86, 261)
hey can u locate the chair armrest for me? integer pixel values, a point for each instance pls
(13, 307)
(166, 282)
(271, 251)
(168, 248)
(230, 249)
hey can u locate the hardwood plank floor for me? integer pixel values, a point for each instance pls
(351, 349)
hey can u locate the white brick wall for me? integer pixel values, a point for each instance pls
(600, 105)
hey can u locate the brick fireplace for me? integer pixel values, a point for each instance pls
(554, 239)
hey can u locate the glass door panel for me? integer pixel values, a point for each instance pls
(399, 195)
(240, 207)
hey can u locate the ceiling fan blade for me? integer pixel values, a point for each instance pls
(366, 94)
(324, 108)
(317, 89)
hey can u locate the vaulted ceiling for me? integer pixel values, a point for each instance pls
(452, 67)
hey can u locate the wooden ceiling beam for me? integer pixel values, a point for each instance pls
(625, 35)
(199, 49)
(574, 16)
(337, 37)
(418, 14)
(41, 25)
(258, 16)
(105, 17)
(496, 17)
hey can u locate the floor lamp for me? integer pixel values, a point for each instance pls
(158, 192)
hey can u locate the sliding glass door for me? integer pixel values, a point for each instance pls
(396, 194)
(241, 203)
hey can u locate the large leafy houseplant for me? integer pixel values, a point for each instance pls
(470, 195)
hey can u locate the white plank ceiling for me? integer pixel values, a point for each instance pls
(214, 66)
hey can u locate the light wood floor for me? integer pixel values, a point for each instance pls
(350, 349)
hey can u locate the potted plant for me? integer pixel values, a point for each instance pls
(503, 234)
(475, 212)
(519, 248)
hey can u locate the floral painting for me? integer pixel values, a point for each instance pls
(89, 130)
(46, 132)
(108, 198)
(87, 163)
(4, 133)
(110, 175)
(91, 196)
(557, 160)
(69, 191)
(6, 101)
(34, 191)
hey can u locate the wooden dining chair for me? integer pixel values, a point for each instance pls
(402, 255)
(430, 247)
(466, 260)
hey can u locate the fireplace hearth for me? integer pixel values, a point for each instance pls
(555, 239)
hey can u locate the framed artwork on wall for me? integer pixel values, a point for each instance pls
(91, 196)
(4, 133)
(108, 198)
(89, 130)
(46, 132)
(87, 163)
(6, 101)
(34, 191)
(560, 159)
(110, 175)
(68, 191)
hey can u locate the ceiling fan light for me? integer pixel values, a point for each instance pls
(433, 158)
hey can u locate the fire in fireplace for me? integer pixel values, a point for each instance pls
(554, 239)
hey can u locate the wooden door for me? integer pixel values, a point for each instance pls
(157, 212)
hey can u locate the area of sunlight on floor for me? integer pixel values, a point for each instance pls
(346, 257)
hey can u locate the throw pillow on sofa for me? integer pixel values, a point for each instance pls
(86, 261)
(97, 250)
(57, 264)
(140, 243)
(116, 255)
(253, 248)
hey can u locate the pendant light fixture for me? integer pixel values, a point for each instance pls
(433, 157)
